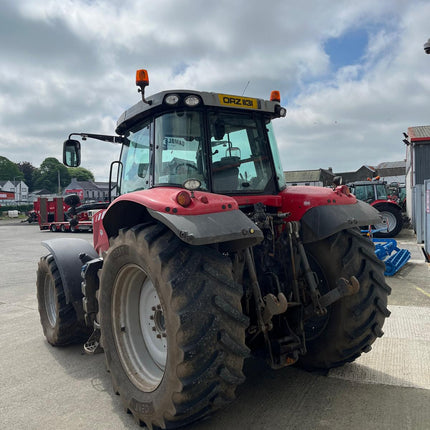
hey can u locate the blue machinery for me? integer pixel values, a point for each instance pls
(384, 249)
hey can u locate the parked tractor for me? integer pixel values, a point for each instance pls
(397, 192)
(206, 258)
(376, 194)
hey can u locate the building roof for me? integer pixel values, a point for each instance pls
(360, 174)
(419, 133)
(41, 192)
(393, 168)
(14, 183)
(85, 185)
(104, 185)
(391, 165)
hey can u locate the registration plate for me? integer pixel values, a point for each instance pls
(236, 101)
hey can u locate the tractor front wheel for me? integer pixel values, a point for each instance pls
(172, 327)
(354, 322)
(58, 318)
(392, 220)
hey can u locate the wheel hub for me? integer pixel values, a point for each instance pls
(139, 327)
(389, 221)
(50, 301)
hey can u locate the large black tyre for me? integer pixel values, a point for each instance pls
(58, 318)
(354, 322)
(392, 215)
(172, 326)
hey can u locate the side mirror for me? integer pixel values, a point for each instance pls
(337, 180)
(72, 153)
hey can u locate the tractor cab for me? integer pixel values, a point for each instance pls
(196, 140)
(369, 191)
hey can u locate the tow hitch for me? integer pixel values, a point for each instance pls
(344, 288)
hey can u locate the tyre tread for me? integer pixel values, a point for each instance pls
(210, 335)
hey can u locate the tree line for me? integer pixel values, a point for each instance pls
(44, 177)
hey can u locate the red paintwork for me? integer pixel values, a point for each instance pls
(161, 198)
(100, 238)
(50, 208)
(392, 202)
(298, 200)
(7, 195)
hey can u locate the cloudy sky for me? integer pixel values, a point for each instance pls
(352, 74)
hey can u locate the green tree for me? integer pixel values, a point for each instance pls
(50, 172)
(80, 174)
(9, 171)
(27, 169)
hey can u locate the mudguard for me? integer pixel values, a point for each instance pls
(232, 226)
(320, 222)
(66, 254)
(210, 218)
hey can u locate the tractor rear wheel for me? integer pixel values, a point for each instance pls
(58, 318)
(354, 322)
(172, 326)
(393, 221)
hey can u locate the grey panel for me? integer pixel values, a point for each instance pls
(422, 163)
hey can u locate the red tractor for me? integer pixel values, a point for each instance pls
(376, 194)
(206, 258)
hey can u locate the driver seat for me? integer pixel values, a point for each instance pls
(226, 174)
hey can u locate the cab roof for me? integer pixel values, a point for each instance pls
(157, 103)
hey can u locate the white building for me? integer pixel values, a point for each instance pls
(20, 189)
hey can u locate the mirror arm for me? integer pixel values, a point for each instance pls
(103, 137)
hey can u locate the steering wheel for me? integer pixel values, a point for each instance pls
(186, 165)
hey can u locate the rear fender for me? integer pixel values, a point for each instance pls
(377, 203)
(66, 254)
(233, 228)
(210, 218)
(323, 221)
(324, 211)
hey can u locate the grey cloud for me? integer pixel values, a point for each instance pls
(71, 68)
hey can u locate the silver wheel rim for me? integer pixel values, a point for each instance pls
(389, 221)
(50, 302)
(138, 327)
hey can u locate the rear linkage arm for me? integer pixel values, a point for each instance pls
(319, 303)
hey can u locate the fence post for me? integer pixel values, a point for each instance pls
(419, 212)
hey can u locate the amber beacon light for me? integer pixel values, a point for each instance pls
(142, 79)
(275, 96)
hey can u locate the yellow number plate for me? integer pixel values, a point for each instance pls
(236, 101)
